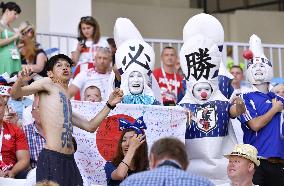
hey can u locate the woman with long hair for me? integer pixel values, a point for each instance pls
(32, 56)
(89, 36)
(10, 58)
(131, 156)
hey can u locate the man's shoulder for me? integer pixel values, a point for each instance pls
(12, 128)
(161, 173)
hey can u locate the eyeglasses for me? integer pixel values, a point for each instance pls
(87, 18)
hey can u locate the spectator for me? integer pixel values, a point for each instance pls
(32, 56)
(168, 161)
(131, 155)
(238, 84)
(279, 90)
(136, 75)
(10, 115)
(113, 49)
(262, 122)
(56, 161)
(138, 91)
(18, 105)
(93, 94)
(169, 81)
(28, 32)
(99, 76)
(10, 60)
(242, 163)
(88, 41)
(34, 134)
(239, 87)
(14, 152)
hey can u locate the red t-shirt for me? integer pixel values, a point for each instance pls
(14, 139)
(169, 93)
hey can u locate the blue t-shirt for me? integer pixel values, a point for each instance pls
(19, 105)
(267, 140)
(109, 168)
(213, 118)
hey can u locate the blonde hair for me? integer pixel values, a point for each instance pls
(29, 49)
(25, 25)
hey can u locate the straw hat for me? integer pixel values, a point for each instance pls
(246, 151)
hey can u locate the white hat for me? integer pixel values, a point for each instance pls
(133, 54)
(206, 25)
(5, 79)
(258, 57)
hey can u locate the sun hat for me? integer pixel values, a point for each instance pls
(246, 151)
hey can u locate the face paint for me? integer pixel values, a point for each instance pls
(136, 82)
(258, 72)
(202, 91)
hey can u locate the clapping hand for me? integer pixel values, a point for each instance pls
(115, 97)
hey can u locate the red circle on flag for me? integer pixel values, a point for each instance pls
(108, 135)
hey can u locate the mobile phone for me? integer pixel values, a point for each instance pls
(82, 42)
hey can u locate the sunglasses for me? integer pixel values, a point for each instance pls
(87, 18)
(30, 30)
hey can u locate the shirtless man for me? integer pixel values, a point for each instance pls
(56, 161)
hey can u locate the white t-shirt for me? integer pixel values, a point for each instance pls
(90, 77)
(88, 53)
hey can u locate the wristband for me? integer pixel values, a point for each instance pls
(125, 163)
(109, 106)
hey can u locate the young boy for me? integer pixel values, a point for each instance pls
(56, 161)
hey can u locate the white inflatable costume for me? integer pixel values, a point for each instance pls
(135, 60)
(210, 134)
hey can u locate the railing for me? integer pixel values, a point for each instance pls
(66, 43)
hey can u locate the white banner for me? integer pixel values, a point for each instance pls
(94, 149)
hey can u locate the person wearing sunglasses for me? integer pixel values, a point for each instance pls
(32, 54)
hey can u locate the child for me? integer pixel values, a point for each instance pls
(93, 94)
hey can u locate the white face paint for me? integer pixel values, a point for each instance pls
(258, 71)
(202, 91)
(136, 82)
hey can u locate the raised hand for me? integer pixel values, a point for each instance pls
(26, 74)
(136, 140)
(240, 106)
(277, 105)
(115, 97)
(11, 116)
